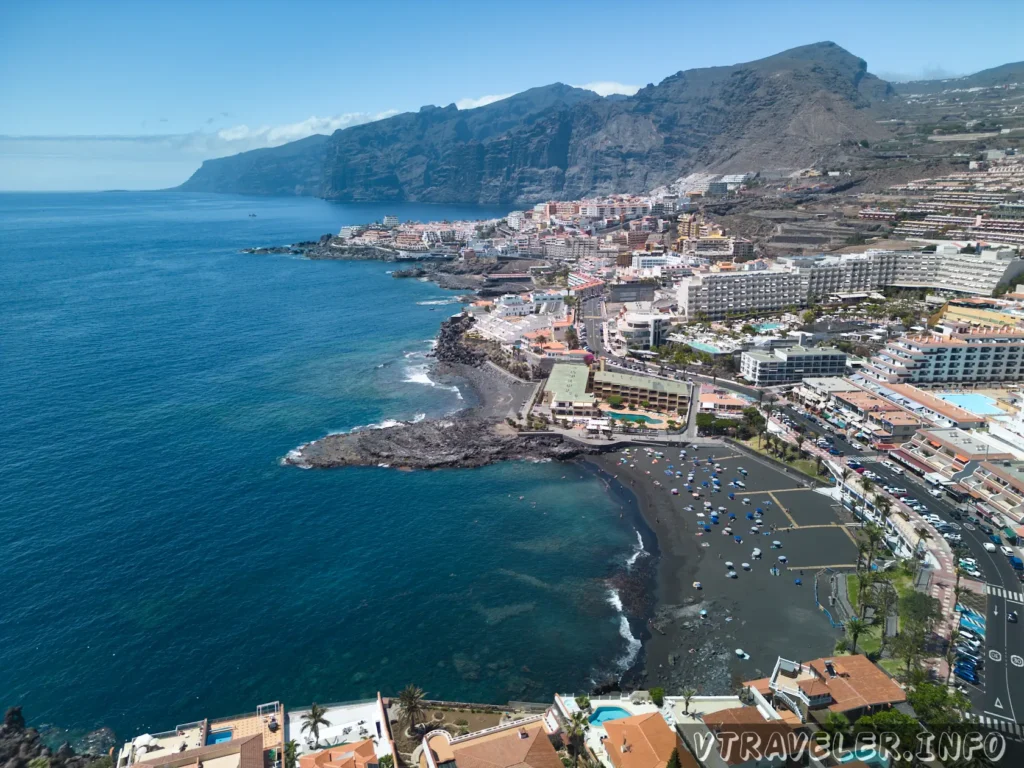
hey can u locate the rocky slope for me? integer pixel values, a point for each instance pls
(21, 747)
(460, 441)
(787, 110)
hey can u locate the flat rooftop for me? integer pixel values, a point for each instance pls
(831, 384)
(568, 383)
(643, 382)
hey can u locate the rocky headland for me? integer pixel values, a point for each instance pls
(22, 747)
(475, 437)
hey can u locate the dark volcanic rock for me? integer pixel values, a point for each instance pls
(20, 745)
(462, 441)
(790, 110)
(450, 347)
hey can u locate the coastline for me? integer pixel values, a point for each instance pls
(763, 616)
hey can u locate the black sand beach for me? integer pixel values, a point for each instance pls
(764, 615)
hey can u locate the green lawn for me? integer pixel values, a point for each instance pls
(804, 466)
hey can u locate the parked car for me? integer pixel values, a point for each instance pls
(986, 529)
(989, 546)
(1006, 551)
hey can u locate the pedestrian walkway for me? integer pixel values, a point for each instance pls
(1008, 728)
(1015, 597)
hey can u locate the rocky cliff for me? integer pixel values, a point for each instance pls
(787, 110)
(23, 747)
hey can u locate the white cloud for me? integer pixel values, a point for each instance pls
(483, 101)
(273, 136)
(143, 161)
(608, 87)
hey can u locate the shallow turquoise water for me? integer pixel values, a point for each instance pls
(982, 405)
(604, 714)
(710, 348)
(162, 566)
(637, 417)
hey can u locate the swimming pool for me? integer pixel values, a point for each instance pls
(769, 326)
(866, 755)
(634, 417)
(604, 714)
(218, 737)
(979, 404)
(702, 347)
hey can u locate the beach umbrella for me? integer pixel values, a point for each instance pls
(756, 554)
(750, 515)
(728, 564)
(777, 544)
(699, 514)
(732, 495)
(703, 613)
(732, 515)
(767, 502)
(704, 484)
(695, 495)
(727, 530)
(798, 582)
(730, 574)
(745, 566)
(675, 491)
(707, 529)
(783, 558)
(759, 511)
(739, 539)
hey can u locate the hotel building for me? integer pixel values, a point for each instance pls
(791, 364)
(956, 355)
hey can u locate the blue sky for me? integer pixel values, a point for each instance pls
(97, 94)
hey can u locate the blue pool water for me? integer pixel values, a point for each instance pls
(700, 345)
(769, 326)
(218, 737)
(979, 404)
(637, 417)
(866, 755)
(604, 714)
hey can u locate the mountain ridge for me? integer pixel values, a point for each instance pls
(785, 110)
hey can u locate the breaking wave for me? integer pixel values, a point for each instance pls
(438, 302)
(638, 552)
(633, 645)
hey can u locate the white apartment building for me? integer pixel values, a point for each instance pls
(791, 364)
(954, 355)
(638, 327)
(390, 222)
(754, 291)
(519, 305)
(515, 220)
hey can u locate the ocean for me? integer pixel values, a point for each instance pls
(161, 565)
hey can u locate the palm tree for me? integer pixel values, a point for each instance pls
(954, 637)
(856, 628)
(844, 476)
(866, 580)
(312, 720)
(411, 702)
(688, 694)
(874, 536)
(577, 727)
(291, 751)
(867, 485)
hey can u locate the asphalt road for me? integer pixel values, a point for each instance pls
(592, 309)
(1003, 673)
(817, 430)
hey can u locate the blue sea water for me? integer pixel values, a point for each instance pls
(159, 563)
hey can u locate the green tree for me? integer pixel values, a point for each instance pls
(615, 401)
(904, 726)
(386, 761)
(312, 720)
(572, 339)
(575, 730)
(688, 694)
(937, 705)
(673, 760)
(856, 628)
(748, 329)
(291, 750)
(411, 700)
(657, 696)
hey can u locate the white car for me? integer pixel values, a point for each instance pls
(1006, 551)
(989, 546)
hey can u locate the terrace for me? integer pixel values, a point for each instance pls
(349, 722)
